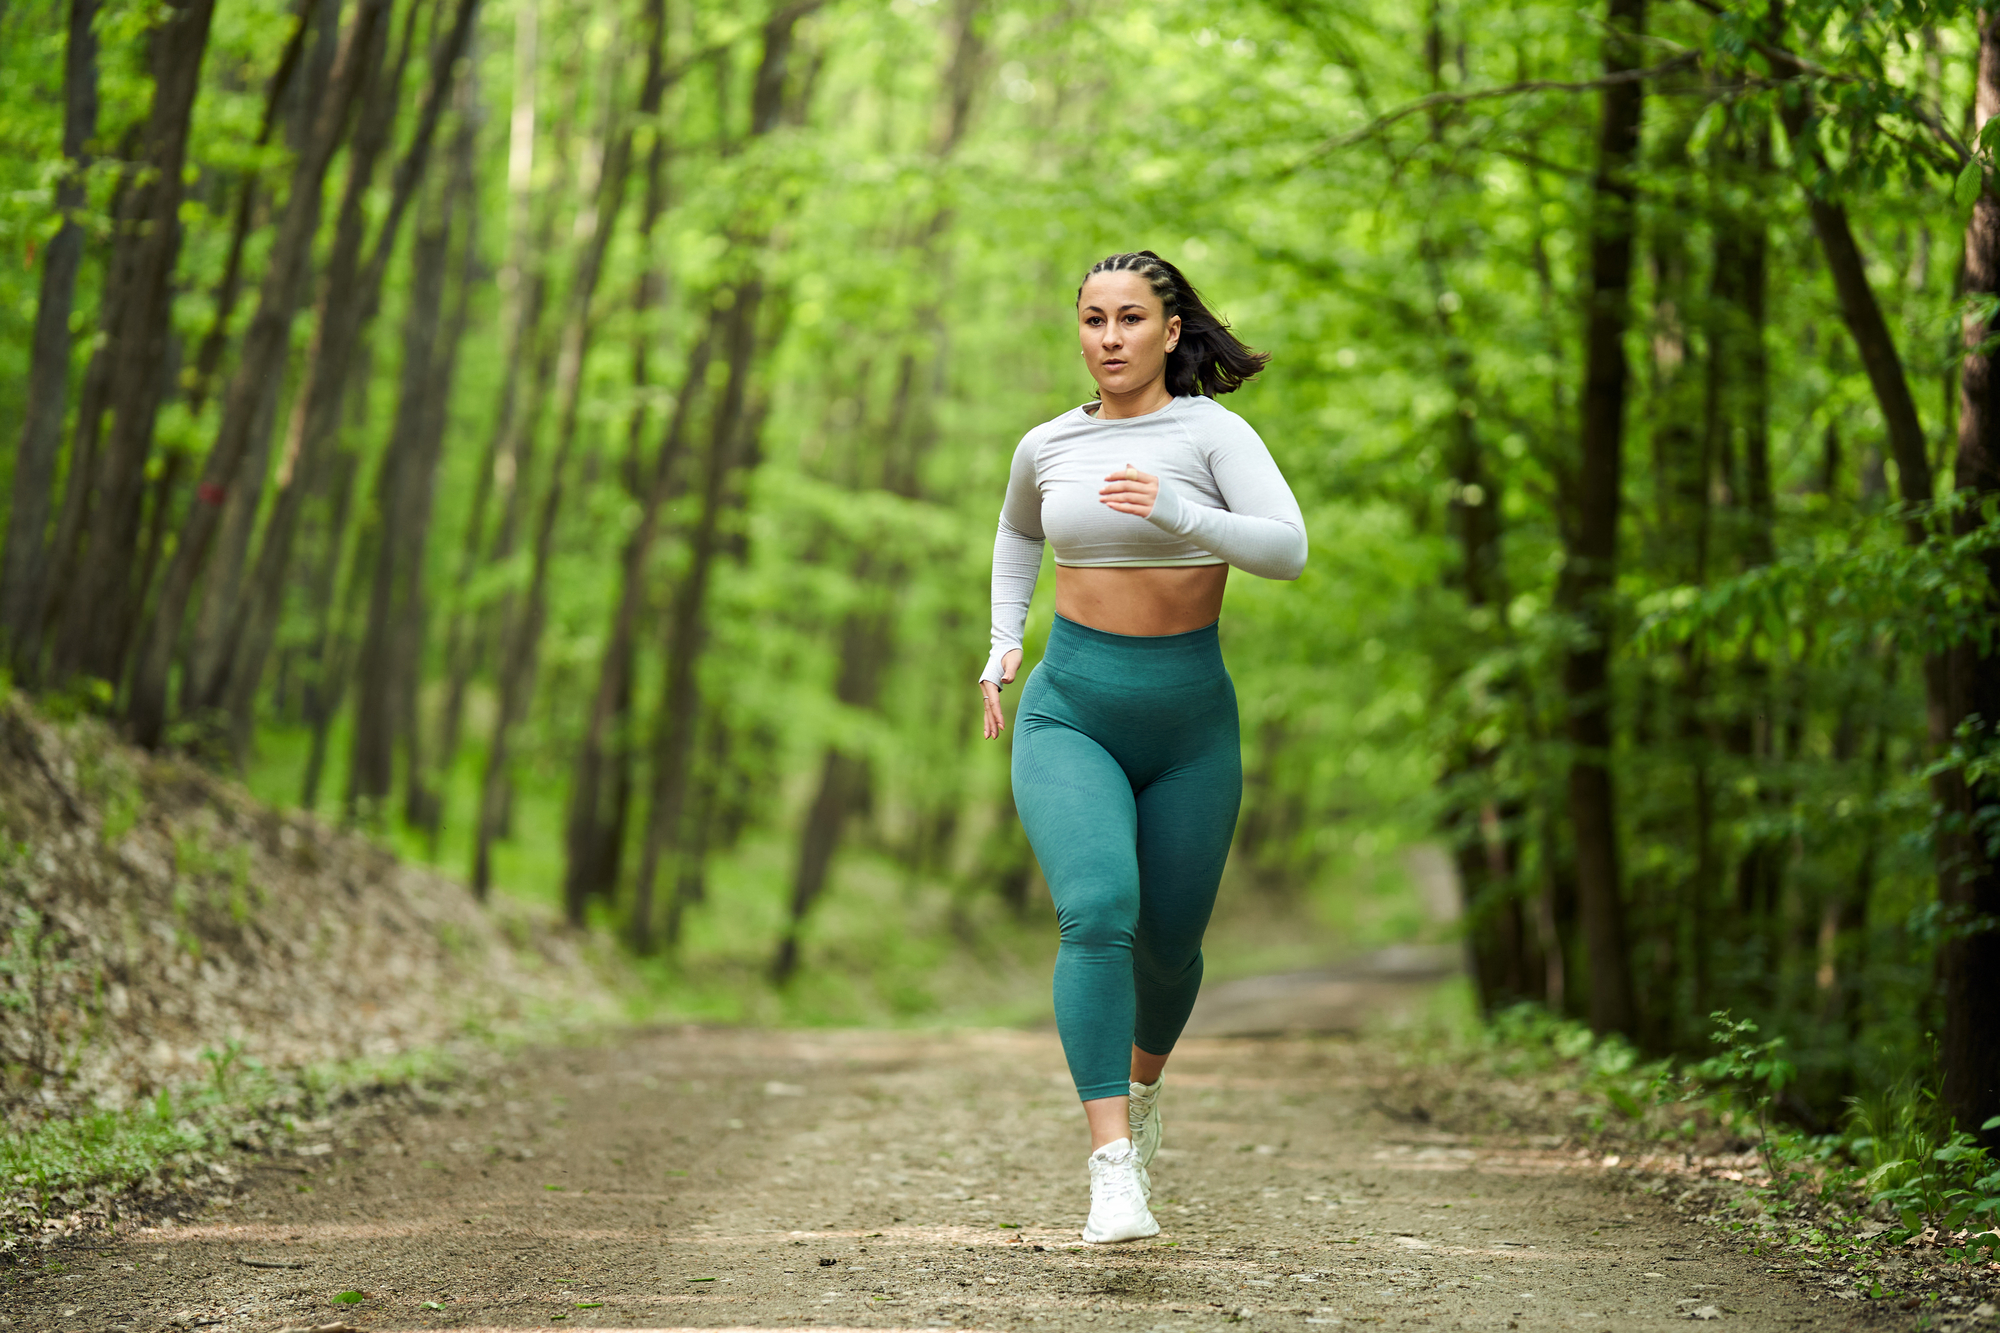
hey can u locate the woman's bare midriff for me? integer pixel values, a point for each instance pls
(1168, 600)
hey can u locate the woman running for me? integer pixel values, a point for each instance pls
(1127, 770)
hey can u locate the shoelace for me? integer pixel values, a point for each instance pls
(1115, 1182)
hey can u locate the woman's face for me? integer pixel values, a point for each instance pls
(1125, 331)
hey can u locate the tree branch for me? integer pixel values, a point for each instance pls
(1408, 109)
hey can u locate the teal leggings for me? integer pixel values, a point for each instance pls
(1127, 775)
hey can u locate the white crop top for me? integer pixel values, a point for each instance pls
(1222, 501)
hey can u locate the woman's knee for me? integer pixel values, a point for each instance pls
(1166, 965)
(1103, 916)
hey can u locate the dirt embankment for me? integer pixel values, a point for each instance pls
(154, 919)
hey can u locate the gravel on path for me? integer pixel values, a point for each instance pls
(727, 1178)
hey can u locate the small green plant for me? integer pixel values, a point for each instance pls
(76, 697)
(221, 1062)
(31, 971)
(1926, 1173)
(1752, 1071)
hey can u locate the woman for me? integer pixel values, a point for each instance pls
(1127, 772)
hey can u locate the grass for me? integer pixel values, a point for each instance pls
(84, 1162)
(1897, 1176)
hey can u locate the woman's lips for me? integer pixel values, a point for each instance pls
(1112, 365)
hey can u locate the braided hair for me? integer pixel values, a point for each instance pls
(1208, 360)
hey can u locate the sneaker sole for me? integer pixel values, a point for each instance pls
(1121, 1240)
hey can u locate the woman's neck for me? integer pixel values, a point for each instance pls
(1144, 401)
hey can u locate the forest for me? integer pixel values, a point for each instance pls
(565, 438)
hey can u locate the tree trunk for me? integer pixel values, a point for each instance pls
(523, 287)
(329, 658)
(687, 629)
(1969, 860)
(319, 24)
(353, 291)
(24, 563)
(1589, 573)
(1862, 314)
(866, 647)
(596, 821)
(867, 635)
(316, 412)
(1956, 680)
(251, 399)
(596, 817)
(517, 667)
(421, 802)
(1740, 444)
(402, 507)
(97, 616)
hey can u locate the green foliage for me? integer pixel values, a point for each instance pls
(1925, 1175)
(1395, 201)
(154, 1142)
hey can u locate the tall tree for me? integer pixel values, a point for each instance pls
(599, 801)
(729, 442)
(1969, 850)
(98, 611)
(222, 570)
(1596, 501)
(518, 660)
(250, 400)
(523, 282)
(350, 295)
(25, 558)
(867, 639)
(687, 617)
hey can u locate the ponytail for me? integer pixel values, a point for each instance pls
(1208, 360)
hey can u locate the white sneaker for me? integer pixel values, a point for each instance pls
(1117, 1198)
(1142, 1110)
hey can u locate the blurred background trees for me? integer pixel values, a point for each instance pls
(566, 438)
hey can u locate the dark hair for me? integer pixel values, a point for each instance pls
(1209, 359)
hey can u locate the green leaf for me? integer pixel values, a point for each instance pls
(590, 1305)
(348, 1298)
(1967, 187)
(432, 1305)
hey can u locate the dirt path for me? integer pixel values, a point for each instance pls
(741, 1179)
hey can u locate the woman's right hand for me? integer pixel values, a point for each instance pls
(996, 722)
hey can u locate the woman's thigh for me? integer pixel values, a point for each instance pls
(1186, 822)
(1077, 807)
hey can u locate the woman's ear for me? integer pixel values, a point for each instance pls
(1173, 332)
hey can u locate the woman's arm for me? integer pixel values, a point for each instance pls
(1017, 563)
(1261, 532)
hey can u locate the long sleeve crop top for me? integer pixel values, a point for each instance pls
(1222, 501)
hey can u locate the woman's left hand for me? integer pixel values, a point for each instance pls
(1131, 491)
